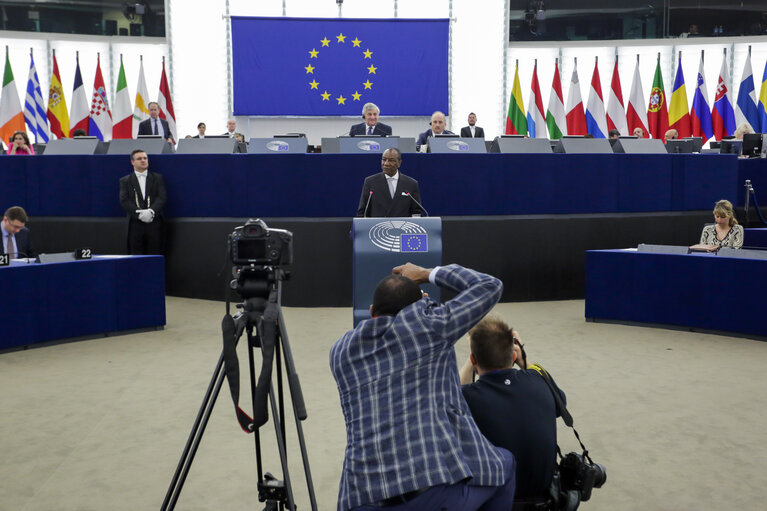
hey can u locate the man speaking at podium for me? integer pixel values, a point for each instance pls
(390, 193)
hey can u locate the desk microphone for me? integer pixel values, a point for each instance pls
(365, 212)
(407, 194)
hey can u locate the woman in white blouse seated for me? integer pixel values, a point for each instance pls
(725, 232)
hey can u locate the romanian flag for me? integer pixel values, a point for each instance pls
(516, 122)
(657, 110)
(57, 112)
(678, 113)
(11, 116)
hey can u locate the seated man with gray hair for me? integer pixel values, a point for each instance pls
(371, 126)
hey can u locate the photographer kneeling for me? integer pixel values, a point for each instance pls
(514, 409)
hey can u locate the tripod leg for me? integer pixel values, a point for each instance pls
(193, 442)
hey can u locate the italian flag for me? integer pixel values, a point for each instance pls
(11, 116)
(516, 122)
(122, 114)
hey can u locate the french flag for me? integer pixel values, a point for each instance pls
(700, 115)
(722, 115)
(78, 117)
(596, 121)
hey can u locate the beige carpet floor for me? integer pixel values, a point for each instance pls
(677, 417)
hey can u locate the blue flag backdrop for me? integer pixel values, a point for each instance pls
(311, 66)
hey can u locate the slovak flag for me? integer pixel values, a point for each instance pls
(722, 114)
(100, 119)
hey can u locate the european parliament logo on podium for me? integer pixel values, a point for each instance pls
(380, 244)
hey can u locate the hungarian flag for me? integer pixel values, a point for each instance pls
(166, 103)
(576, 118)
(78, 116)
(57, 105)
(555, 115)
(123, 117)
(100, 119)
(657, 110)
(516, 122)
(11, 116)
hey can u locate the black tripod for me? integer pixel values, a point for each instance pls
(261, 288)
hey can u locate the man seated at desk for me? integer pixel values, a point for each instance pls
(437, 128)
(16, 240)
(371, 126)
(390, 193)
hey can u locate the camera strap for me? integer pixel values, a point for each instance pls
(561, 409)
(232, 370)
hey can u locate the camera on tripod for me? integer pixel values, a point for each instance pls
(256, 244)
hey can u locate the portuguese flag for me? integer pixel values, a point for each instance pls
(657, 109)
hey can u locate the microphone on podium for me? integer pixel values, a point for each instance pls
(407, 194)
(365, 212)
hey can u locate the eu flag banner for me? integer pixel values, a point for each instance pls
(328, 67)
(414, 242)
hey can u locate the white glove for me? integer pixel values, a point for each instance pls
(145, 215)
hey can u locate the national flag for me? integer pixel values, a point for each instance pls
(616, 113)
(745, 106)
(576, 119)
(516, 123)
(34, 108)
(123, 117)
(100, 119)
(678, 114)
(57, 105)
(166, 103)
(722, 114)
(536, 120)
(596, 120)
(762, 106)
(141, 108)
(555, 115)
(636, 115)
(11, 116)
(78, 115)
(700, 114)
(657, 110)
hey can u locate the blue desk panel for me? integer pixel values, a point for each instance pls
(703, 291)
(328, 185)
(55, 301)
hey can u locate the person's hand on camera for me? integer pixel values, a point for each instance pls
(415, 273)
(518, 358)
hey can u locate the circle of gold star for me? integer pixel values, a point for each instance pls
(315, 54)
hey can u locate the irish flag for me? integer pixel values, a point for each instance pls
(11, 116)
(516, 122)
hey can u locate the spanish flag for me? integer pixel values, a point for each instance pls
(678, 114)
(58, 115)
(11, 116)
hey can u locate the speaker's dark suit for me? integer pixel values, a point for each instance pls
(381, 202)
(144, 238)
(428, 133)
(145, 128)
(361, 129)
(478, 132)
(23, 244)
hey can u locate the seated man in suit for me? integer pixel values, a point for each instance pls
(231, 128)
(142, 196)
(437, 128)
(390, 193)
(154, 125)
(16, 240)
(472, 131)
(200, 130)
(371, 126)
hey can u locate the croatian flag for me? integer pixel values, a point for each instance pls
(722, 115)
(100, 120)
(596, 121)
(700, 115)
